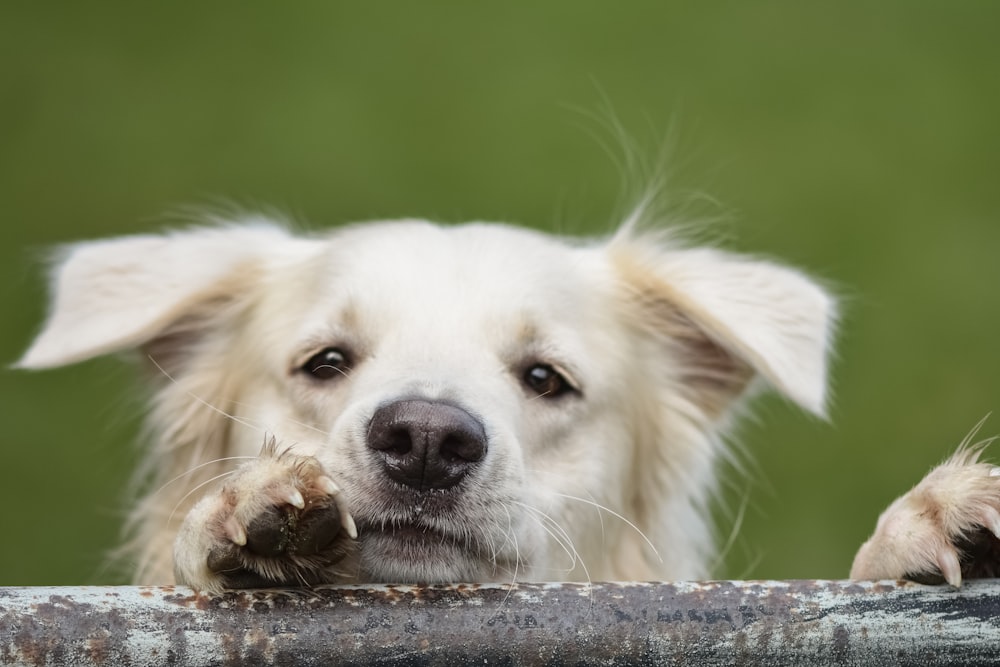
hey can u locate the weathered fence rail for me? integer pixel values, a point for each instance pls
(710, 623)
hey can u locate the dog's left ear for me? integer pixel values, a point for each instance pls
(730, 318)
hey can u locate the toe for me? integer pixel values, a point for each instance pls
(268, 533)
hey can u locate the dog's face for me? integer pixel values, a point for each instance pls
(464, 392)
(495, 403)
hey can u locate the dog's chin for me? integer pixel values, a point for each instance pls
(410, 554)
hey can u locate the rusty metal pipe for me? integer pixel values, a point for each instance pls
(710, 623)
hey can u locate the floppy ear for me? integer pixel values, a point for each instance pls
(732, 318)
(121, 293)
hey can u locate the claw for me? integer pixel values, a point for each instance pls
(991, 520)
(330, 488)
(327, 486)
(295, 499)
(347, 521)
(947, 561)
(235, 532)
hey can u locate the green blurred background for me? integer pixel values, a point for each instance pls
(858, 140)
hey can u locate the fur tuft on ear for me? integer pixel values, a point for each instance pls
(121, 293)
(734, 317)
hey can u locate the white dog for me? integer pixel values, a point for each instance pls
(408, 402)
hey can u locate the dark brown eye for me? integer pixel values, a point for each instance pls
(546, 381)
(328, 364)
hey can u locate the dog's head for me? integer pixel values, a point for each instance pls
(495, 402)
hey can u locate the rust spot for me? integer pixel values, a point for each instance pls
(880, 587)
(181, 600)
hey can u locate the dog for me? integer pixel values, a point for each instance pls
(409, 402)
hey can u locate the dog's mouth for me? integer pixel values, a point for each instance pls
(408, 533)
(414, 552)
(433, 537)
(409, 518)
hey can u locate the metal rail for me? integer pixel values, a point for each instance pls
(708, 623)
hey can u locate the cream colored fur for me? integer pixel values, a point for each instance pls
(661, 344)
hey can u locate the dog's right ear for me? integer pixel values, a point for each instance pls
(122, 293)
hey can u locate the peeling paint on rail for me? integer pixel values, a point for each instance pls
(706, 623)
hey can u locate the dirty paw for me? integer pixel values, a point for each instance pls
(279, 520)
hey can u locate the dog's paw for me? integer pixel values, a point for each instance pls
(279, 520)
(944, 529)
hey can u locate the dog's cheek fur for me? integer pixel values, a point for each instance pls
(668, 446)
(703, 326)
(219, 393)
(673, 479)
(199, 383)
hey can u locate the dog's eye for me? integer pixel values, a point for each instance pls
(546, 381)
(330, 363)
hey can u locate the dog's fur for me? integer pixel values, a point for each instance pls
(596, 381)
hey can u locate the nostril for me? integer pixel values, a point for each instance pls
(397, 440)
(462, 448)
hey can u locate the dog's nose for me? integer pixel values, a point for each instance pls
(426, 444)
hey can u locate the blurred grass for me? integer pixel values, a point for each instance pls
(856, 140)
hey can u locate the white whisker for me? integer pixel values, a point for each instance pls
(288, 420)
(517, 562)
(199, 399)
(617, 516)
(560, 536)
(198, 467)
(188, 494)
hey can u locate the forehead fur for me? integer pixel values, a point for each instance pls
(453, 275)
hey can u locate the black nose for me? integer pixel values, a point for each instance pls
(426, 444)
